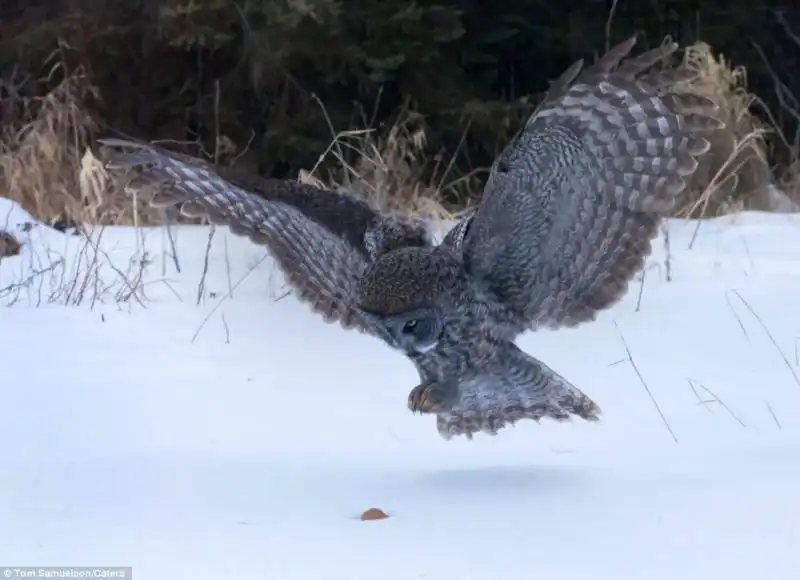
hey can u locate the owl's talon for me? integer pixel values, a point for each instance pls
(432, 397)
(419, 400)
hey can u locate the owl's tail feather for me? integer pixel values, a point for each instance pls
(533, 391)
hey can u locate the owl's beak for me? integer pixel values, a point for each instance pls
(387, 336)
(381, 330)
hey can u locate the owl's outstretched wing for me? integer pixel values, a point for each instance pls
(323, 241)
(573, 202)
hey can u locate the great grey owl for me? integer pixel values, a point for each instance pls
(568, 214)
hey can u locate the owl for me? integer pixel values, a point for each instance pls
(567, 217)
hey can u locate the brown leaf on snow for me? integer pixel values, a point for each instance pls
(373, 514)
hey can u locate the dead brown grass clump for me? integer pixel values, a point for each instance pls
(46, 166)
(735, 174)
(392, 171)
(46, 163)
(9, 246)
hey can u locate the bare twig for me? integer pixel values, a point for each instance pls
(771, 338)
(722, 404)
(222, 300)
(667, 250)
(738, 318)
(201, 286)
(700, 400)
(641, 291)
(644, 384)
(228, 267)
(75, 277)
(774, 416)
(173, 247)
(29, 279)
(227, 330)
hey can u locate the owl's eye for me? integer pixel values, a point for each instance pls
(414, 331)
(409, 326)
(422, 329)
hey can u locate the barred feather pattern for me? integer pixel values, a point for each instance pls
(506, 386)
(567, 218)
(323, 241)
(573, 202)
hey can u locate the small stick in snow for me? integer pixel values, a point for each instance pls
(644, 384)
(774, 416)
(201, 287)
(771, 338)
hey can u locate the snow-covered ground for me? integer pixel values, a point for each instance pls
(242, 437)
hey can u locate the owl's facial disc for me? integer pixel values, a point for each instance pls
(416, 331)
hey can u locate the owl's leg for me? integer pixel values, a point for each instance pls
(433, 397)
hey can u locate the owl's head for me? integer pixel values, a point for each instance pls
(408, 293)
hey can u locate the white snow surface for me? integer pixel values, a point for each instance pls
(252, 450)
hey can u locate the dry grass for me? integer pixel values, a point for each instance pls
(79, 270)
(46, 166)
(391, 170)
(736, 173)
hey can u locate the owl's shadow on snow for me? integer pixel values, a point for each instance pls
(506, 480)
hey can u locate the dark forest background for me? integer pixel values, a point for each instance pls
(280, 77)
